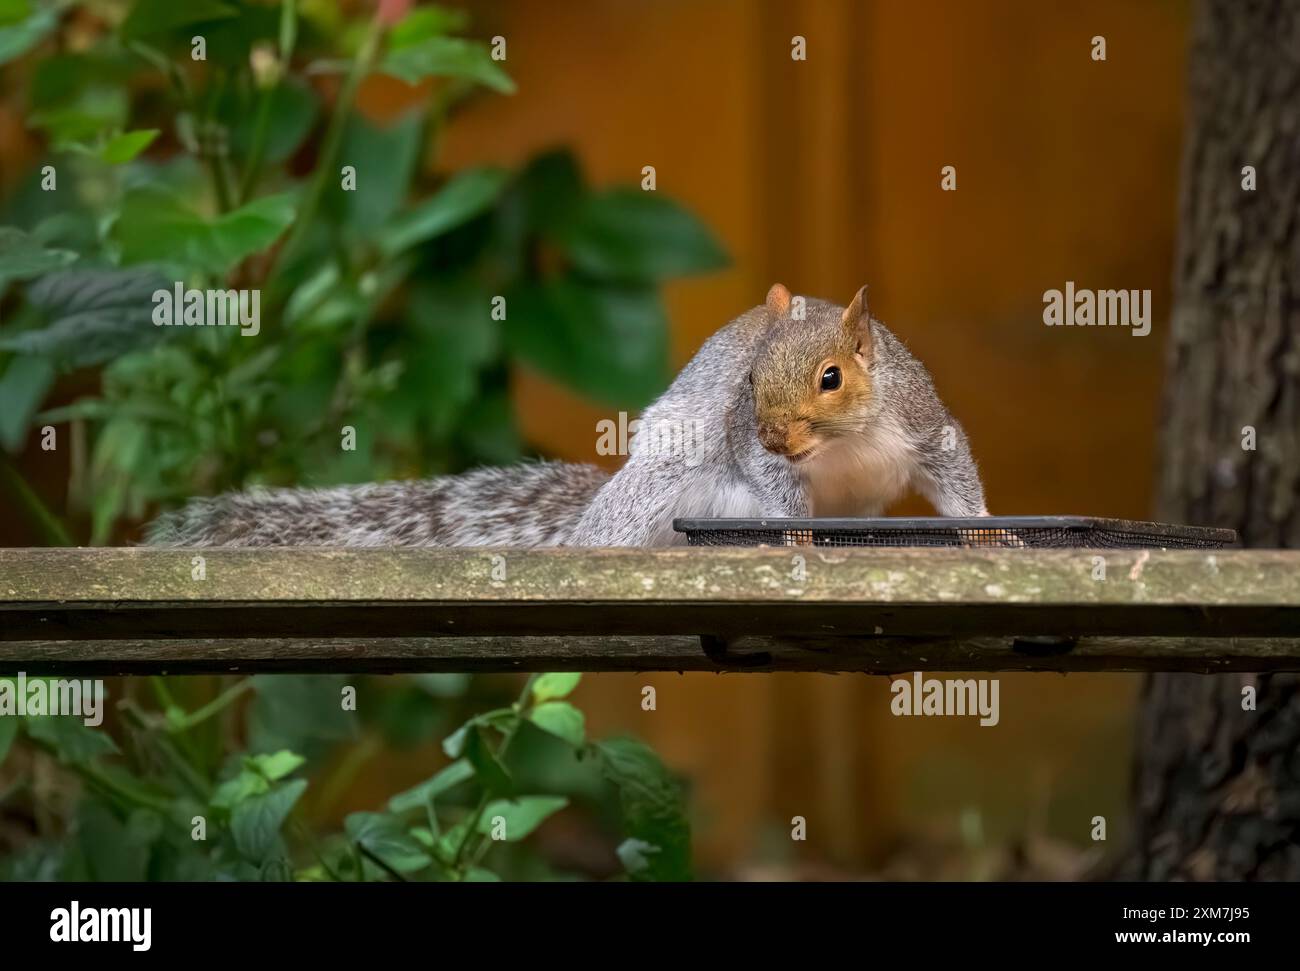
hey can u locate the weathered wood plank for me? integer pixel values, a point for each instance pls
(873, 655)
(791, 575)
(135, 593)
(797, 608)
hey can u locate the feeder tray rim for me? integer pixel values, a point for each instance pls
(900, 523)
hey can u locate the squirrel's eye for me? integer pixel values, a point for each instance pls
(830, 379)
(751, 379)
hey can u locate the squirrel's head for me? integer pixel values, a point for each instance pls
(812, 373)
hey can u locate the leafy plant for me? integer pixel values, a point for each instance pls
(223, 145)
(393, 300)
(163, 807)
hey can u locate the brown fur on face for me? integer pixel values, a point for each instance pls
(795, 416)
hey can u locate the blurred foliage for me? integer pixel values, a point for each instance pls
(212, 144)
(173, 801)
(376, 305)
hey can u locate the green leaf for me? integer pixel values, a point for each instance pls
(277, 765)
(83, 409)
(521, 816)
(242, 787)
(59, 78)
(654, 813)
(424, 836)
(18, 38)
(22, 256)
(553, 190)
(151, 17)
(93, 315)
(386, 837)
(465, 196)
(608, 343)
(446, 845)
(8, 732)
(126, 146)
(22, 389)
(292, 109)
(488, 768)
(74, 231)
(255, 823)
(640, 237)
(454, 744)
(562, 719)
(114, 149)
(480, 874)
(157, 226)
(447, 57)
(385, 157)
(255, 778)
(502, 719)
(69, 738)
(452, 339)
(420, 796)
(83, 117)
(551, 686)
(425, 22)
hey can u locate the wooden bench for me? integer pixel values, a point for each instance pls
(134, 611)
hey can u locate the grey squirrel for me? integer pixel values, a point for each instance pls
(795, 408)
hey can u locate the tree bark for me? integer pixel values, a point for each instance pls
(1217, 786)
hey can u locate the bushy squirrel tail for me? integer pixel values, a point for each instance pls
(532, 504)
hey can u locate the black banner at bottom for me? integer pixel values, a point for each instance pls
(335, 920)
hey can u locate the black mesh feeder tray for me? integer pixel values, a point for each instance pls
(990, 532)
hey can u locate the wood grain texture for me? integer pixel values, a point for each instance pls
(801, 609)
(793, 575)
(752, 654)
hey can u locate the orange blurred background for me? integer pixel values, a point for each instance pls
(824, 174)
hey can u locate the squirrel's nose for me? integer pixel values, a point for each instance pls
(774, 439)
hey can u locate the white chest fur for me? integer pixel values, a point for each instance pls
(862, 474)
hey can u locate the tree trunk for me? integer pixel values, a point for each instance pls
(1217, 786)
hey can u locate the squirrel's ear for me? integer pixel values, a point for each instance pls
(856, 318)
(778, 300)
